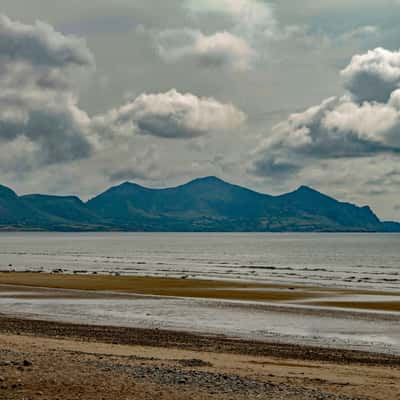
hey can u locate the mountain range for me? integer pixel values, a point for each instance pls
(203, 205)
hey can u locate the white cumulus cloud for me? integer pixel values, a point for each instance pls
(363, 123)
(373, 76)
(171, 115)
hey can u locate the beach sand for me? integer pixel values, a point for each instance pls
(49, 360)
(54, 360)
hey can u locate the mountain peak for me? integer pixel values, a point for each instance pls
(207, 179)
(306, 189)
(128, 185)
(6, 191)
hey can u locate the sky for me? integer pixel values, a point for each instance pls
(266, 94)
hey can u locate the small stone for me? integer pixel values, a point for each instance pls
(27, 363)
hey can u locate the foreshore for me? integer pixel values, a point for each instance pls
(209, 289)
(43, 359)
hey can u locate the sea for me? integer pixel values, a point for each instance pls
(368, 261)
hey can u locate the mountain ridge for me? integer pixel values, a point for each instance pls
(207, 204)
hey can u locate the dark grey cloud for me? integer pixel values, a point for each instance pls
(40, 44)
(273, 168)
(37, 95)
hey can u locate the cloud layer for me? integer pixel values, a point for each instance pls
(364, 122)
(39, 112)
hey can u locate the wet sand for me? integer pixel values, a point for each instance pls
(206, 289)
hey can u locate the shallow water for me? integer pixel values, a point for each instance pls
(370, 332)
(351, 260)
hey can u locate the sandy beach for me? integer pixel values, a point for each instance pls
(47, 360)
(43, 359)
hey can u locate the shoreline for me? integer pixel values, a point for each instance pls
(328, 298)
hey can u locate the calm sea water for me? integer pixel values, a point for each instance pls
(350, 260)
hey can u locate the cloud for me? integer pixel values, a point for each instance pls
(40, 44)
(358, 124)
(360, 32)
(237, 47)
(171, 115)
(40, 116)
(251, 18)
(38, 102)
(138, 166)
(216, 50)
(273, 167)
(373, 76)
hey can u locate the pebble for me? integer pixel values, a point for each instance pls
(219, 383)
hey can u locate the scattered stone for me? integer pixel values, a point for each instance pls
(27, 363)
(5, 363)
(194, 363)
(17, 385)
(220, 383)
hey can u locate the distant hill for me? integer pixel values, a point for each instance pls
(15, 214)
(202, 205)
(64, 213)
